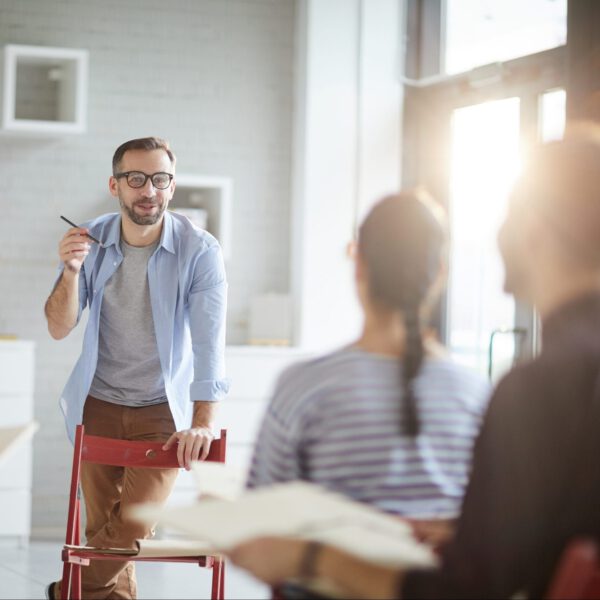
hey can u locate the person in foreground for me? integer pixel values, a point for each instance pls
(535, 482)
(388, 420)
(152, 363)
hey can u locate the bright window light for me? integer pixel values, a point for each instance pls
(553, 114)
(484, 163)
(479, 32)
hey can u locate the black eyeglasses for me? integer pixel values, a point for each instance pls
(137, 179)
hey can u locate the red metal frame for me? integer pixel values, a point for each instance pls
(107, 451)
(578, 573)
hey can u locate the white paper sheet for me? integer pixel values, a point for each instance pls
(297, 509)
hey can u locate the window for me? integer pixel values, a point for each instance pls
(480, 32)
(467, 134)
(484, 162)
(553, 113)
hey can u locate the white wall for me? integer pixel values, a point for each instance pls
(346, 151)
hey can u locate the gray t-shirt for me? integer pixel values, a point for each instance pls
(128, 370)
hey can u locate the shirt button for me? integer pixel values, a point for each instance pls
(115, 264)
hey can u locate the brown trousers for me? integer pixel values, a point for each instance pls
(109, 492)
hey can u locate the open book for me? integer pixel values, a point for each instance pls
(296, 509)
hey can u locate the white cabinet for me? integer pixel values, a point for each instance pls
(44, 89)
(253, 372)
(16, 410)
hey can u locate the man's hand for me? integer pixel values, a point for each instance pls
(274, 560)
(73, 248)
(194, 444)
(270, 559)
(433, 532)
(62, 306)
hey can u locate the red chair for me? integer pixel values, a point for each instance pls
(108, 451)
(577, 576)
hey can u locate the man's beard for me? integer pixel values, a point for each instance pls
(143, 219)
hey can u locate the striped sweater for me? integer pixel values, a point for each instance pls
(336, 421)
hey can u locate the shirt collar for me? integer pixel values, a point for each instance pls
(113, 237)
(166, 237)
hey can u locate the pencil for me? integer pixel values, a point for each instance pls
(88, 235)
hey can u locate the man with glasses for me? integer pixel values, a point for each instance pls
(152, 363)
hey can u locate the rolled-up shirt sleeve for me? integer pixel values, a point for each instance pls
(207, 314)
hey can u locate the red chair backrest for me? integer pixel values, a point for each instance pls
(578, 573)
(124, 453)
(107, 451)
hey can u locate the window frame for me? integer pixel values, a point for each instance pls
(431, 98)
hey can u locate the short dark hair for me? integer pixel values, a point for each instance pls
(147, 143)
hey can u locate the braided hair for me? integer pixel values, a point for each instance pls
(402, 241)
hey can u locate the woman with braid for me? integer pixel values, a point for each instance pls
(387, 420)
(534, 488)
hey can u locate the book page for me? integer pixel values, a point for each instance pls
(297, 509)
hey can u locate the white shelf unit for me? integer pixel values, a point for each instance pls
(44, 90)
(213, 194)
(16, 410)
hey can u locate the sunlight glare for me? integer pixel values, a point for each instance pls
(485, 162)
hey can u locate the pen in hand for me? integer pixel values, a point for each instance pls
(87, 234)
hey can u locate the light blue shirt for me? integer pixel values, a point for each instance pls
(188, 295)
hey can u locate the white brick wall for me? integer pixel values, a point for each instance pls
(215, 77)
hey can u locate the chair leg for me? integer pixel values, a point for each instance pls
(276, 593)
(77, 535)
(218, 580)
(76, 583)
(76, 577)
(222, 582)
(70, 585)
(65, 583)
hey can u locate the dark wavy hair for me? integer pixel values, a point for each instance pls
(402, 242)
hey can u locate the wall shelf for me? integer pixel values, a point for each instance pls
(44, 90)
(212, 194)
